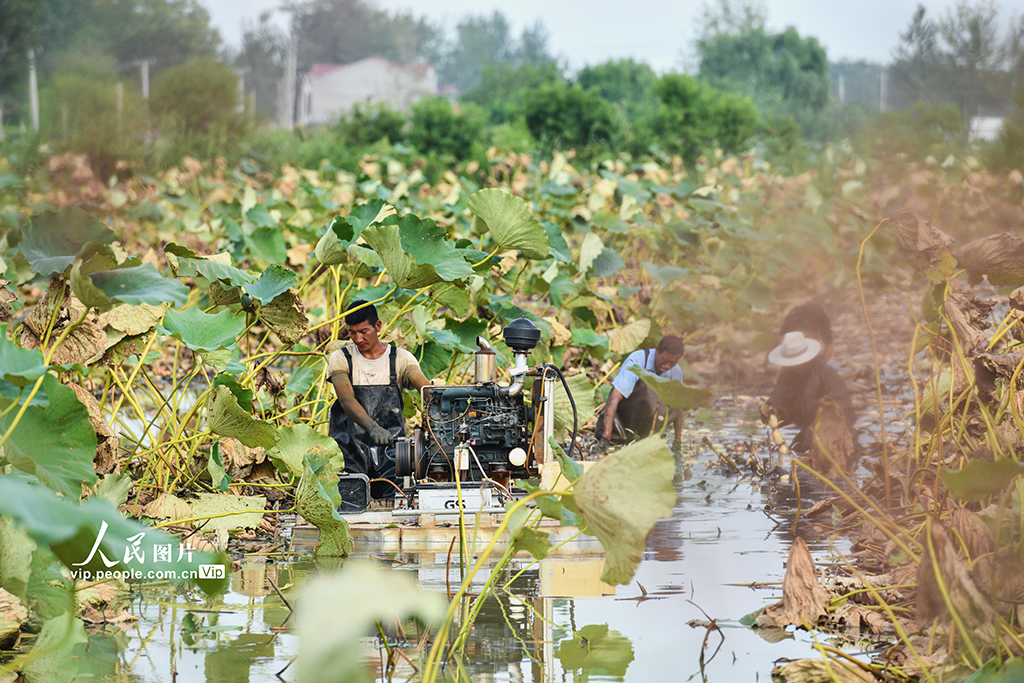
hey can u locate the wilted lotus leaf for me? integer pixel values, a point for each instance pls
(167, 506)
(367, 595)
(106, 439)
(225, 417)
(12, 615)
(583, 393)
(510, 222)
(820, 671)
(921, 242)
(286, 316)
(317, 499)
(231, 512)
(133, 320)
(804, 601)
(621, 498)
(999, 257)
(6, 297)
(627, 339)
(295, 441)
(672, 392)
(589, 251)
(84, 343)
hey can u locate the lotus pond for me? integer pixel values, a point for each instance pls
(720, 556)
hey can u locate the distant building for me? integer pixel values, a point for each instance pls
(985, 128)
(330, 90)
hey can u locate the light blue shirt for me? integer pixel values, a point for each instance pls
(626, 380)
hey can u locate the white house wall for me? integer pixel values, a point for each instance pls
(329, 95)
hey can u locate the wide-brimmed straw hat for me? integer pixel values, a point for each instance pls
(796, 349)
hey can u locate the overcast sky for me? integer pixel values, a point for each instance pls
(659, 32)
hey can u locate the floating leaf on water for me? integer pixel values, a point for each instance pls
(53, 238)
(597, 651)
(226, 418)
(53, 651)
(672, 392)
(331, 647)
(510, 222)
(201, 331)
(622, 497)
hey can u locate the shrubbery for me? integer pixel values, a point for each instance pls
(438, 128)
(563, 117)
(693, 116)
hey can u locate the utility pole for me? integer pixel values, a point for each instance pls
(881, 90)
(145, 77)
(33, 90)
(842, 89)
(291, 60)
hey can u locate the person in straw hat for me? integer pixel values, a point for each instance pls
(806, 384)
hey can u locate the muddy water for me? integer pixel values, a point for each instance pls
(725, 529)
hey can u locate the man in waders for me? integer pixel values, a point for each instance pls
(369, 377)
(633, 410)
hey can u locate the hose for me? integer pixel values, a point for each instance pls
(572, 402)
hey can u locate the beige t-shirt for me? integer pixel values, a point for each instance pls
(376, 371)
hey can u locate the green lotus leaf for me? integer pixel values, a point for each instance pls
(559, 247)
(274, 280)
(666, 275)
(53, 238)
(342, 231)
(242, 395)
(403, 269)
(454, 297)
(596, 651)
(622, 497)
(226, 418)
(584, 336)
(267, 244)
(71, 531)
(510, 222)
(294, 442)
(19, 366)
(114, 488)
(191, 265)
(427, 243)
(979, 479)
(201, 331)
(54, 650)
(629, 337)
(332, 648)
(533, 541)
(134, 286)
(672, 392)
(56, 442)
(608, 262)
(260, 217)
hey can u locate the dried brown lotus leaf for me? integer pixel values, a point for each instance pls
(167, 506)
(132, 320)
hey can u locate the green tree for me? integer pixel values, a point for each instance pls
(623, 81)
(369, 123)
(502, 87)
(437, 128)
(782, 72)
(693, 116)
(973, 54)
(345, 31)
(561, 116)
(18, 31)
(198, 97)
(261, 61)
